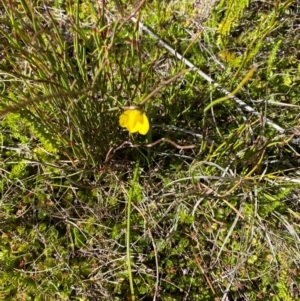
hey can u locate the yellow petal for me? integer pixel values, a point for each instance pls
(123, 120)
(145, 125)
(134, 121)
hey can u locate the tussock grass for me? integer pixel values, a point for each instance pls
(205, 207)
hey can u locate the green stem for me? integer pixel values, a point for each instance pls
(130, 197)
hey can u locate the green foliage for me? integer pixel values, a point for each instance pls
(233, 13)
(282, 288)
(272, 58)
(79, 221)
(19, 171)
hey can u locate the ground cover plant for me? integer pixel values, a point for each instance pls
(128, 169)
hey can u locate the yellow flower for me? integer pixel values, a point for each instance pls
(134, 121)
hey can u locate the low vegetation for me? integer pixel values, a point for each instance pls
(205, 205)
